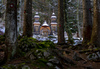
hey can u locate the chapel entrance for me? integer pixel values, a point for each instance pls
(45, 33)
(45, 29)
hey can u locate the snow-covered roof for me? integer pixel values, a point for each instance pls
(37, 22)
(53, 22)
(45, 24)
(36, 15)
(53, 15)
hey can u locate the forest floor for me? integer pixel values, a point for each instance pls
(70, 57)
(78, 55)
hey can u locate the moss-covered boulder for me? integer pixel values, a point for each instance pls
(27, 43)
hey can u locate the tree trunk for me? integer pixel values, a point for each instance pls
(11, 28)
(27, 28)
(87, 21)
(61, 39)
(95, 38)
(67, 28)
(78, 21)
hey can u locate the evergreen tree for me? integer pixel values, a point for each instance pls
(67, 27)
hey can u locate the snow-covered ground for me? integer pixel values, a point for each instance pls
(55, 39)
(2, 28)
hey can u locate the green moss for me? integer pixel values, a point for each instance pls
(40, 63)
(51, 37)
(90, 56)
(46, 44)
(9, 67)
(43, 60)
(26, 44)
(86, 50)
(70, 47)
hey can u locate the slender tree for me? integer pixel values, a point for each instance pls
(78, 21)
(61, 38)
(95, 38)
(87, 21)
(67, 28)
(27, 28)
(11, 28)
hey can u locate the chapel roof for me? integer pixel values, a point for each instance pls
(45, 24)
(36, 15)
(53, 15)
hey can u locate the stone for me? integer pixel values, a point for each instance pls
(56, 67)
(92, 56)
(76, 57)
(46, 54)
(32, 57)
(25, 67)
(36, 51)
(54, 60)
(49, 64)
(98, 53)
(39, 54)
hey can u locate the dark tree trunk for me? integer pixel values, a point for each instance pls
(95, 38)
(11, 28)
(27, 28)
(87, 21)
(61, 38)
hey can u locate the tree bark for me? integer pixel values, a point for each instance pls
(11, 28)
(61, 38)
(87, 21)
(78, 21)
(67, 28)
(95, 38)
(27, 28)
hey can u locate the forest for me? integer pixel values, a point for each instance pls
(49, 34)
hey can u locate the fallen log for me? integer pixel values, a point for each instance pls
(63, 58)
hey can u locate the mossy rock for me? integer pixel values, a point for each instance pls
(46, 44)
(27, 43)
(10, 67)
(86, 50)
